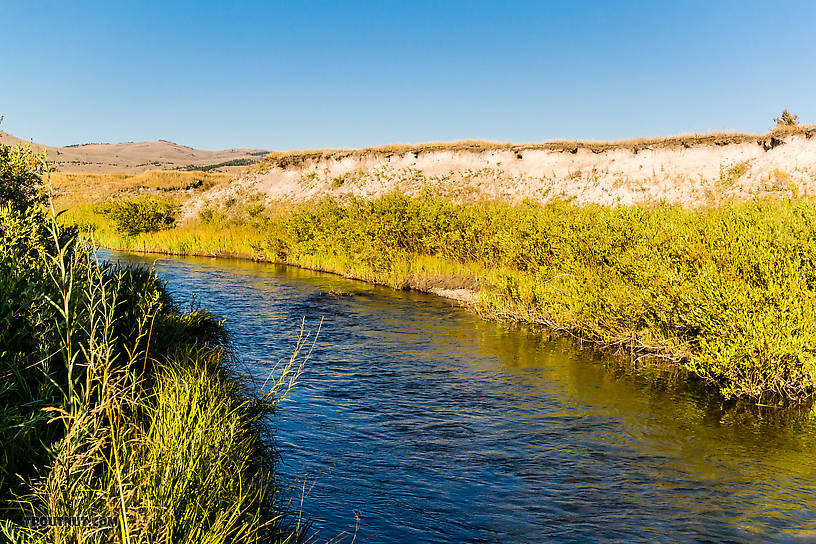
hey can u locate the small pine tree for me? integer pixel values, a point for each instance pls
(787, 119)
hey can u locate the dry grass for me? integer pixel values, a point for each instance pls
(72, 189)
(290, 159)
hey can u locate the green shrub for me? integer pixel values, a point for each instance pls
(254, 209)
(20, 177)
(730, 176)
(729, 292)
(141, 214)
(206, 214)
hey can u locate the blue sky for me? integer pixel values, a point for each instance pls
(293, 75)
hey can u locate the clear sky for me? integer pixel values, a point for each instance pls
(290, 75)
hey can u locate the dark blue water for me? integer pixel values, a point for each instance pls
(415, 421)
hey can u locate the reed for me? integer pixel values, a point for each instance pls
(115, 403)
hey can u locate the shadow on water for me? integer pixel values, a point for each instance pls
(428, 424)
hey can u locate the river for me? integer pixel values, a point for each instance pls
(416, 421)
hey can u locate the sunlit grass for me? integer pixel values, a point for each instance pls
(80, 188)
(207, 240)
(146, 424)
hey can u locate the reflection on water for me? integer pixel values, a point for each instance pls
(422, 423)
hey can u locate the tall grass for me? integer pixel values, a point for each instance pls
(145, 421)
(728, 292)
(115, 403)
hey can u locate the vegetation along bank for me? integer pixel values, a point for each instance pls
(719, 280)
(115, 405)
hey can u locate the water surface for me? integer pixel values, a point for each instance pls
(415, 421)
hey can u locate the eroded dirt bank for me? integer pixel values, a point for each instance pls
(682, 170)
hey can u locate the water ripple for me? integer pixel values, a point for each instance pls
(430, 425)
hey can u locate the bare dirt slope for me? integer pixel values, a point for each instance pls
(688, 170)
(138, 157)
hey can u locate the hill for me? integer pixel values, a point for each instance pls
(138, 157)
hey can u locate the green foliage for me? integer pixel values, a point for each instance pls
(729, 176)
(729, 292)
(206, 215)
(254, 209)
(113, 401)
(20, 177)
(787, 119)
(26, 332)
(141, 214)
(208, 167)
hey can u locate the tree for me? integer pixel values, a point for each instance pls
(787, 119)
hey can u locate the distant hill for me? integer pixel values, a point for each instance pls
(137, 157)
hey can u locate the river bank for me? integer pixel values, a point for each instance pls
(690, 170)
(726, 292)
(695, 251)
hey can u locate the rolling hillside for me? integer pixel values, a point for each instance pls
(138, 157)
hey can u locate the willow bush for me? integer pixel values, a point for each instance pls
(728, 292)
(147, 213)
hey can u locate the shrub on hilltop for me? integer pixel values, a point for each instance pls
(787, 119)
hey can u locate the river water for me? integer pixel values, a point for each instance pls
(416, 421)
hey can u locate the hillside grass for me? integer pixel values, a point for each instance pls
(71, 190)
(727, 292)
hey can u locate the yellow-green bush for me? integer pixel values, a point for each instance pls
(141, 214)
(729, 291)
